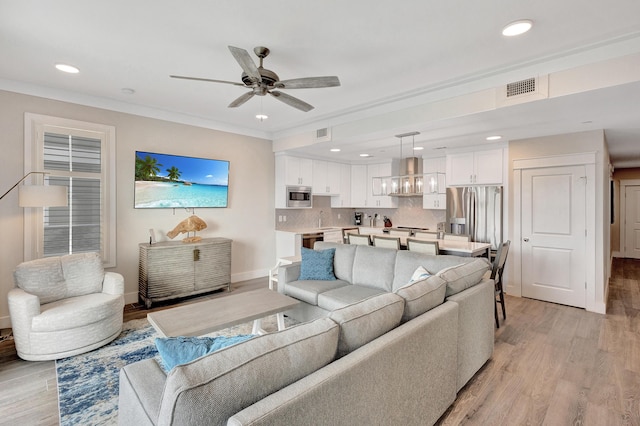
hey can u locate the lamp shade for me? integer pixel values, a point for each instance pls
(42, 196)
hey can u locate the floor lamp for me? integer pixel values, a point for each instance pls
(40, 195)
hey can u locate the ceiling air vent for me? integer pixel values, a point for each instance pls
(527, 90)
(323, 135)
(521, 87)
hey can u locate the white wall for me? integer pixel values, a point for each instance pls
(567, 144)
(248, 220)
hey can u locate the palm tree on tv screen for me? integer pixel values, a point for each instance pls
(173, 173)
(147, 168)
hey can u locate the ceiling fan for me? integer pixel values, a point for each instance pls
(262, 81)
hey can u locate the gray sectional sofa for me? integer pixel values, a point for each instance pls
(374, 349)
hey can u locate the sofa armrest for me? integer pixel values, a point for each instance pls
(23, 307)
(140, 393)
(113, 283)
(287, 274)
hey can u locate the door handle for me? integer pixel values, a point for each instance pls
(526, 240)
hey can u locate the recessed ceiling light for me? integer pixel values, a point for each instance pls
(494, 138)
(517, 28)
(418, 148)
(335, 149)
(67, 68)
(364, 155)
(262, 117)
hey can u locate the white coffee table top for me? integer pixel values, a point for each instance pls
(207, 316)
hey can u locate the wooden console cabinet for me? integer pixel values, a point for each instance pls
(173, 269)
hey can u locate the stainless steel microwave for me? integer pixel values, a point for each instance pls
(299, 196)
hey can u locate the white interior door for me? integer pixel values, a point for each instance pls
(632, 222)
(554, 234)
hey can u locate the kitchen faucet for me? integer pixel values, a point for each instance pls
(320, 220)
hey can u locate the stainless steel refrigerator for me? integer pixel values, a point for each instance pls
(476, 211)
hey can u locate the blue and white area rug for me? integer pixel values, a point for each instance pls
(88, 383)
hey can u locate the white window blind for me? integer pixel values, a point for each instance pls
(76, 228)
(79, 156)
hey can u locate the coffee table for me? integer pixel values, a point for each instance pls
(211, 315)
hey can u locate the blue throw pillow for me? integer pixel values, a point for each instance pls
(181, 350)
(317, 264)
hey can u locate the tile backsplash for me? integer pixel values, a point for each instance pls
(408, 213)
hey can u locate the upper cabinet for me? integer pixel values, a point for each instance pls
(358, 185)
(344, 198)
(296, 171)
(290, 171)
(378, 188)
(435, 186)
(326, 178)
(475, 168)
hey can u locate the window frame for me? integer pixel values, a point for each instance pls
(35, 126)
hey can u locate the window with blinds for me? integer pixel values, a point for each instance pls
(75, 228)
(79, 156)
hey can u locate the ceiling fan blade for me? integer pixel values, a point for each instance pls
(308, 83)
(291, 101)
(241, 99)
(246, 63)
(207, 79)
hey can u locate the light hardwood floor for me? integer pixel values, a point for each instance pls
(552, 365)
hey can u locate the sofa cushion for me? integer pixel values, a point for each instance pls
(317, 264)
(374, 267)
(181, 350)
(367, 320)
(422, 295)
(407, 262)
(342, 260)
(460, 277)
(308, 291)
(42, 278)
(83, 273)
(347, 295)
(213, 388)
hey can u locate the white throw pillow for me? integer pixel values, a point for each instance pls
(420, 273)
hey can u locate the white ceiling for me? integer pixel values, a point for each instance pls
(389, 56)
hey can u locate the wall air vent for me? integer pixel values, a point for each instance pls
(519, 92)
(323, 135)
(521, 87)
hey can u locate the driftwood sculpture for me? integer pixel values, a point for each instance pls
(191, 224)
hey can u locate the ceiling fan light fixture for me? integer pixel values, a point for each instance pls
(517, 27)
(262, 117)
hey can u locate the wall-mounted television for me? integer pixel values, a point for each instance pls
(175, 181)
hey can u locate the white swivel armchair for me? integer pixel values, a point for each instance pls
(64, 306)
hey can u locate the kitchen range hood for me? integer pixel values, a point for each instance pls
(409, 182)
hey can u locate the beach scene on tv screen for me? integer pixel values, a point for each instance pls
(166, 181)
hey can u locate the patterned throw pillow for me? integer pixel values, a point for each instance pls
(317, 264)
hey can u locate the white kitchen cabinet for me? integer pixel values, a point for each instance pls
(288, 244)
(475, 168)
(359, 185)
(290, 171)
(326, 178)
(376, 189)
(344, 198)
(295, 170)
(435, 185)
